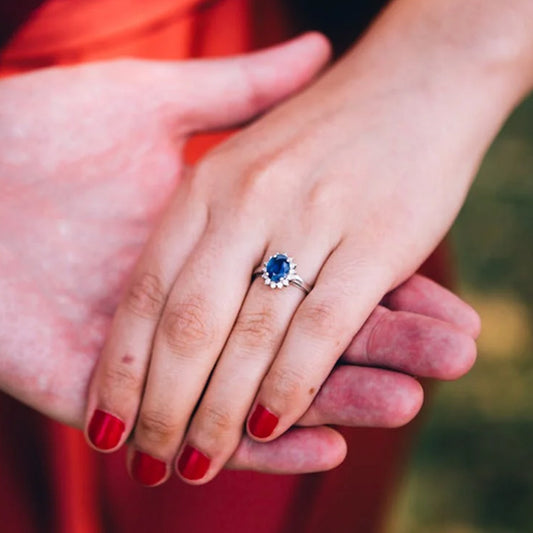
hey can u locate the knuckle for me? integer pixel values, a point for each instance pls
(157, 428)
(285, 384)
(255, 177)
(120, 378)
(204, 172)
(256, 329)
(260, 178)
(146, 296)
(215, 421)
(323, 194)
(321, 319)
(186, 326)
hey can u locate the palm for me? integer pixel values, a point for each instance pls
(71, 227)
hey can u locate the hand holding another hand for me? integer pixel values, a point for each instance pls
(196, 350)
(85, 177)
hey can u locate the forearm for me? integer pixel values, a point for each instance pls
(456, 66)
(482, 39)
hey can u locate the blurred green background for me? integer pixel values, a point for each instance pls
(472, 467)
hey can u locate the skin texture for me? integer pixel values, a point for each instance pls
(359, 176)
(82, 189)
(83, 184)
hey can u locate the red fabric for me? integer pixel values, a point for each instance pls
(50, 479)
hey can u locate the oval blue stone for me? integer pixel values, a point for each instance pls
(278, 267)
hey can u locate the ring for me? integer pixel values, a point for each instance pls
(280, 271)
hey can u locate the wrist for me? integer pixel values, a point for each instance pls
(485, 40)
(463, 65)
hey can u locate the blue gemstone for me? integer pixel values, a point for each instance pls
(278, 267)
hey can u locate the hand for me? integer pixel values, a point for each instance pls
(68, 242)
(89, 156)
(420, 336)
(310, 178)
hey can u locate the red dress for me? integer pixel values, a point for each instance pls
(49, 479)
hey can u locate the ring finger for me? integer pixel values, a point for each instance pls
(321, 329)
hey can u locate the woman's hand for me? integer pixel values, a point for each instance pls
(87, 162)
(358, 178)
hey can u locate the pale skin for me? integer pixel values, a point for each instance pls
(81, 192)
(358, 176)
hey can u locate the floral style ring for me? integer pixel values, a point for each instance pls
(280, 271)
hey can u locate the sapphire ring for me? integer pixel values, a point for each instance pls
(280, 271)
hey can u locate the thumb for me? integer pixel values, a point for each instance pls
(217, 93)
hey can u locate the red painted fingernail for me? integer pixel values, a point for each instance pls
(105, 430)
(262, 422)
(147, 469)
(193, 464)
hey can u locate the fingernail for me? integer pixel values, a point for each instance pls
(262, 422)
(147, 469)
(105, 430)
(193, 464)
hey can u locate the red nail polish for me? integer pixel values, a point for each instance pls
(262, 422)
(147, 469)
(105, 430)
(193, 464)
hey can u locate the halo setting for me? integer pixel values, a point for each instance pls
(278, 271)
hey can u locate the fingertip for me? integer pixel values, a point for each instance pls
(337, 448)
(145, 469)
(473, 325)
(193, 466)
(330, 448)
(464, 359)
(452, 354)
(105, 431)
(262, 423)
(462, 315)
(298, 61)
(322, 44)
(408, 404)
